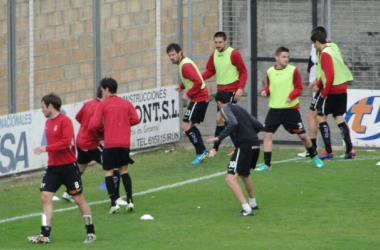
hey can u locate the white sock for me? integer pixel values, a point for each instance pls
(246, 207)
(87, 219)
(252, 202)
(44, 220)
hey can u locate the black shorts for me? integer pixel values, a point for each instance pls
(242, 160)
(313, 104)
(289, 118)
(195, 112)
(232, 95)
(86, 156)
(335, 104)
(67, 175)
(116, 158)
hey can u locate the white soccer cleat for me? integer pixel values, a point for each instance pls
(121, 202)
(130, 207)
(303, 154)
(114, 209)
(90, 238)
(67, 197)
(39, 238)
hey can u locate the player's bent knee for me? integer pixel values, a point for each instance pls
(185, 126)
(78, 199)
(219, 120)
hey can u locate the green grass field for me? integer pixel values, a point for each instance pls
(301, 206)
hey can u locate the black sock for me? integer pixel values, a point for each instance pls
(110, 184)
(267, 158)
(127, 182)
(311, 151)
(325, 132)
(345, 133)
(45, 231)
(314, 142)
(218, 130)
(116, 179)
(200, 140)
(196, 139)
(90, 229)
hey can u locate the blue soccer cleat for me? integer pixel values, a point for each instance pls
(350, 155)
(263, 167)
(318, 162)
(199, 158)
(325, 155)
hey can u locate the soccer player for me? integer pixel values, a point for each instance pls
(231, 76)
(88, 144)
(243, 129)
(114, 117)
(197, 96)
(61, 170)
(333, 99)
(284, 85)
(312, 113)
(315, 73)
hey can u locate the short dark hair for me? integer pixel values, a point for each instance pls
(110, 84)
(221, 34)
(99, 93)
(281, 49)
(222, 96)
(319, 28)
(318, 36)
(52, 99)
(173, 46)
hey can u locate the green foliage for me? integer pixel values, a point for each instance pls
(301, 206)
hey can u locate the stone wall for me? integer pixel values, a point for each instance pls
(63, 45)
(63, 42)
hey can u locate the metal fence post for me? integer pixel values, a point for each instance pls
(329, 32)
(96, 44)
(189, 28)
(315, 13)
(180, 42)
(322, 13)
(254, 57)
(12, 83)
(249, 47)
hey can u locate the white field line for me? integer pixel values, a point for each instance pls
(152, 190)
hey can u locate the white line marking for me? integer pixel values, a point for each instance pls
(177, 184)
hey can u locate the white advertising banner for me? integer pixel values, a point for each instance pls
(158, 110)
(363, 117)
(20, 133)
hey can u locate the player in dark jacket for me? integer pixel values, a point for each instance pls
(243, 129)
